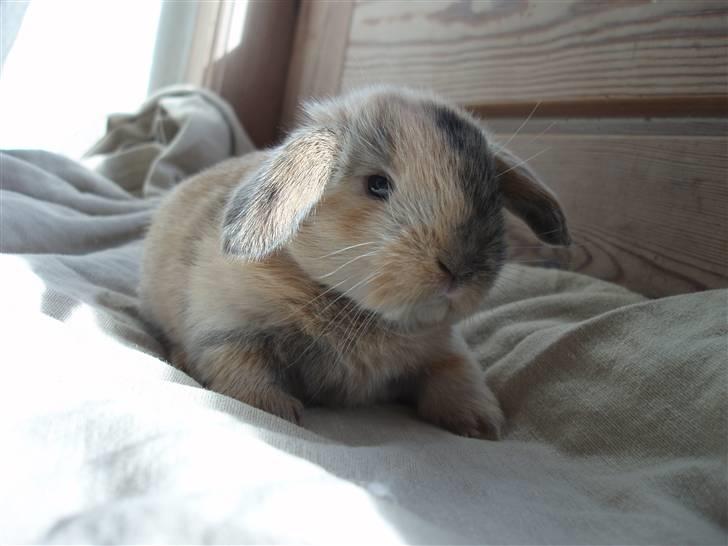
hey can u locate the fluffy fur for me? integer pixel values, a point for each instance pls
(278, 280)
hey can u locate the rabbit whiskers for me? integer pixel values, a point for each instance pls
(335, 252)
(332, 322)
(523, 162)
(342, 266)
(514, 135)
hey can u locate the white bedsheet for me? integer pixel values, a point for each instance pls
(616, 405)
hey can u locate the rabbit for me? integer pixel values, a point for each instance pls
(333, 269)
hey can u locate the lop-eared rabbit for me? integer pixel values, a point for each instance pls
(331, 269)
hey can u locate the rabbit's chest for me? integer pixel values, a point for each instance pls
(346, 371)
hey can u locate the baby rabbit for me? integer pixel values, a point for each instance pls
(331, 269)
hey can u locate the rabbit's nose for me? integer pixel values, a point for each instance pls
(445, 269)
(451, 282)
(455, 275)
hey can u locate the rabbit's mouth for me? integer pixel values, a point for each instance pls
(433, 306)
(430, 313)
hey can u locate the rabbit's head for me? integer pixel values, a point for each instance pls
(394, 198)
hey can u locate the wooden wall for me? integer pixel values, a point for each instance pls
(647, 200)
(630, 125)
(252, 76)
(523, 51)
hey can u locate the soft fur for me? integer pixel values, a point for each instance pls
(278, 280)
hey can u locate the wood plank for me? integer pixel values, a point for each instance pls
(647, 201)
(252, 76)
(202, 44)
(716, 106)
(320, 44)
(505, 127)
(594, 53)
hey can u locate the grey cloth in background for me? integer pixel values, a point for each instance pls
(616, 404)
(176, 133)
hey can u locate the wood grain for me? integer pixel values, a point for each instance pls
(647, 201)
(321, 40)
(523, 51)
(252, 77)
(708, 106)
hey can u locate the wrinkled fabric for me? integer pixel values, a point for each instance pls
(176, 133)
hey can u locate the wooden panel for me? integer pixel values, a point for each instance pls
(523, 51)
(318, 53)
(202, 43)
(252, 77)
(653, 107)
(647, 201)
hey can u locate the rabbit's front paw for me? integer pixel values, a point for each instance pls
(459, 400)
(279, 403)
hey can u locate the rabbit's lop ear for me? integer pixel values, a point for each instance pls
(265, 211)
(527, 197)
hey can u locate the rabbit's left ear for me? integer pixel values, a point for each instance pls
(265, 211)
(527, 197)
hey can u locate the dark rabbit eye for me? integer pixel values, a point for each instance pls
(379, 186)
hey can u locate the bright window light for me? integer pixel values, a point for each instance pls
(237, 24)
(73, 63)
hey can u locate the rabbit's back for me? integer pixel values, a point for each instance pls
(186, 223)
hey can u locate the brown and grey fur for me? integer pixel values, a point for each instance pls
(280, 282)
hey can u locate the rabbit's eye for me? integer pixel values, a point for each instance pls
(379, 186)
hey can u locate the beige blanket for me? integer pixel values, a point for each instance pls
(616, 405)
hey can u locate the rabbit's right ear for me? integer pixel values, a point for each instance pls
(265, 211)
(530, 199)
